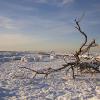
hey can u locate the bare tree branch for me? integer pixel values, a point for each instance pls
(85, 41)
(72, 65)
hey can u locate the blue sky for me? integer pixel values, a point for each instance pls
(47, 24)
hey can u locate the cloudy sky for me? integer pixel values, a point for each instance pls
(47, 24)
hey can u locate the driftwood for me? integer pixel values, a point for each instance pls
(81, 66)
(83, 49)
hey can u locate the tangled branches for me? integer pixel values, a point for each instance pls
(83, 49)
(77, 64)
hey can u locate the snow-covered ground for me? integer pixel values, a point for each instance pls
(18, 84)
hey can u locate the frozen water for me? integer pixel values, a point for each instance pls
(18, 84)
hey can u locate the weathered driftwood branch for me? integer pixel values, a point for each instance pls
(84, 34)
(83, 49)
(72, 65)
(42, 71)
(47, 71)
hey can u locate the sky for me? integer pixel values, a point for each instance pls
(47, 24)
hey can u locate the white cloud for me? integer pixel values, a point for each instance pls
(54, 2)
(66, 1)
(6, 23)
(34, 26)
(41, 1)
